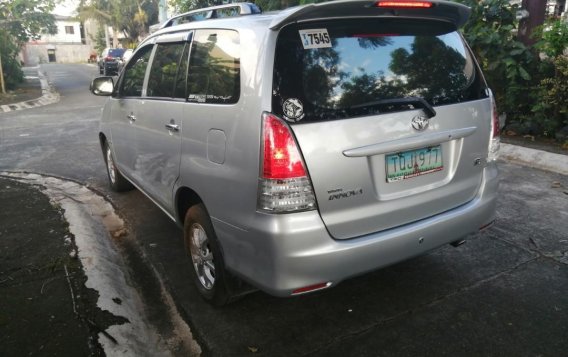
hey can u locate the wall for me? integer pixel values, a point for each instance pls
(34, 54)
(62, 36)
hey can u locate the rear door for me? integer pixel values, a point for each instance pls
(392, 117)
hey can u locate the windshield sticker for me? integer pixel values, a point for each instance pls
(293, 110)
(315, 38)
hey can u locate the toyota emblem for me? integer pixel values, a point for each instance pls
(419, 122)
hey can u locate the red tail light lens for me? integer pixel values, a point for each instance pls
(282, 158)
(284, 185)
(108, 58)
(405, 4)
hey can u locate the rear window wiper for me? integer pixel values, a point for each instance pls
(415, 101)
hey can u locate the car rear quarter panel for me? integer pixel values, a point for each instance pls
(229, 188)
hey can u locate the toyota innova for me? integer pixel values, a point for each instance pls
(303, 147)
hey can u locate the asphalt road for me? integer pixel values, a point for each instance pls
(502, 293)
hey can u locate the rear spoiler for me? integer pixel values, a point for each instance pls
(452, 12)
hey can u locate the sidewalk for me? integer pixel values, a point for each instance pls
(41, 281)
(64, 277)
(34, 92)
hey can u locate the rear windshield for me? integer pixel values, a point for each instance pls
(341, 69)
(116, 52)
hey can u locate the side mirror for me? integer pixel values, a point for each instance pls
(102, 86)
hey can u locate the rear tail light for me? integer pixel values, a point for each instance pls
(108, 58)
(284, 185)
(494, 141)
(404, 4)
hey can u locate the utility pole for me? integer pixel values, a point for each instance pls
(537, 11)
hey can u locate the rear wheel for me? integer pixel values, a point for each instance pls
(212, 280)
(117, 182)
(105, 70)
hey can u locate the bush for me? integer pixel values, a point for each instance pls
(554, 38)
(11, 67)
(506, 62)
(551, 105)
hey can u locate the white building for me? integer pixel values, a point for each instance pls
(71, 44)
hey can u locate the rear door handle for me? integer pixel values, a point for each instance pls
(172, 127)
(131, 118)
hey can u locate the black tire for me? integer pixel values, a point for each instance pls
(218, 292)
(100, 70)
(117, 182)
(105, 70)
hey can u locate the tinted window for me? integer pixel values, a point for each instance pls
(164, 69)
(181, 81)
(370, 61)
(116, 52)
(228, 12)
(133, 78)
(214, 67)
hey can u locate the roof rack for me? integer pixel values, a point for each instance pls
(213, 12)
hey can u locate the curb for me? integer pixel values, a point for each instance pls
(49, 96)
(534, 158)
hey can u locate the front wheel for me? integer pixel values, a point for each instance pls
(117, 182)
(212, 280)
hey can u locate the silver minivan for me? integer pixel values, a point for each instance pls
(303, 147)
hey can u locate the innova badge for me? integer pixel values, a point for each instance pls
(420, 122)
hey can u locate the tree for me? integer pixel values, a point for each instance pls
(537, 11)
(182, 6)
(20, 21)
(132, 17)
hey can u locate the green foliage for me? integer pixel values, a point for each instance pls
(27, 19)
(13, 74)
(551, 105)
(270, 5)
(20, 21)
(99, 39)
(132, 17)
(554, 37)
(182, 6)
(507, 63)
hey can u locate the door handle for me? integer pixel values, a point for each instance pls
(131, 118)
(172, 127)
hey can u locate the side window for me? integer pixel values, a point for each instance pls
(214, 67)
(164, 69)
(133, 78)
(181, 81)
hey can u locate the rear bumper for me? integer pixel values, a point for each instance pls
(281, 253)
(111, 65)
